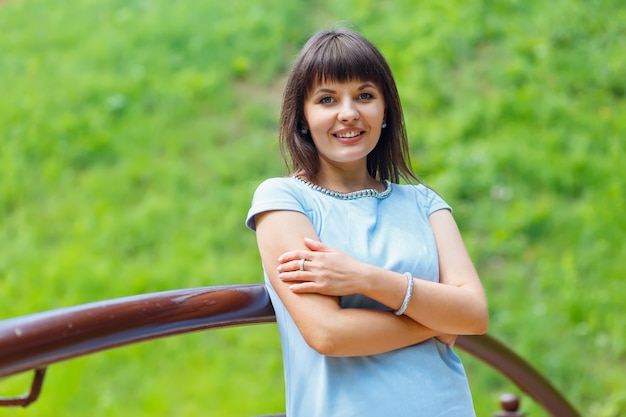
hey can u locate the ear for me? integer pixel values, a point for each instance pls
(303, 127)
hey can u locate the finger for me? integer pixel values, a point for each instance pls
(303, 288)
(300, 264)
(295, 255)
(292, 265)
(297, 276)
(315, 245)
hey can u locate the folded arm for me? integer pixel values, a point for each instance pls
(454, 305)
(325, 326)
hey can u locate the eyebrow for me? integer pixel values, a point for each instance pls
(367, 85)
(331, 91)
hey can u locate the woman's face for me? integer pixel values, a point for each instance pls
(345, 120)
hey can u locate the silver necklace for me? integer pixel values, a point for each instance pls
(370, 192)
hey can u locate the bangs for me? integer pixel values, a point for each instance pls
(342, 59)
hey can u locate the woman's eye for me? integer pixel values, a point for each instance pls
(365, 96)
(326, 100)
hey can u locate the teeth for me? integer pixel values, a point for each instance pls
(348, 135)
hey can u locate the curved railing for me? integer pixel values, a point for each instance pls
(36, 341)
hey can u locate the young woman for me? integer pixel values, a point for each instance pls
(370, 279)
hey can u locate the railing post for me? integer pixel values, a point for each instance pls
(31, 396)
(510, 405)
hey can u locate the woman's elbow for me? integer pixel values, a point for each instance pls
(480, 323)
(482, 326)
(322, 340)
(323, 347)
(477, 315)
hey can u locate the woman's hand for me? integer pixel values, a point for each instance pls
(325, 270)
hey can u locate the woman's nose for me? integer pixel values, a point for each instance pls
(348, 111)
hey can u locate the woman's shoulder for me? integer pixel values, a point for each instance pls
(420, 190)
(279, 193)
(425, 196)
(276, 185)
(276, 181)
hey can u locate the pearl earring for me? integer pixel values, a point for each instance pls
(304, 130)
(384, 125)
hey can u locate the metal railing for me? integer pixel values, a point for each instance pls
(35, 341)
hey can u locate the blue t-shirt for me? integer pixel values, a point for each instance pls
(390, 230)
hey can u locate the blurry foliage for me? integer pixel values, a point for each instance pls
(134, 133)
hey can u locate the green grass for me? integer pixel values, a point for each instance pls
(134, 133)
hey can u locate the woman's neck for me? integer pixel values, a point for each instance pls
(346, 182)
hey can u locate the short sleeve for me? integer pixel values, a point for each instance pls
(434, 202)
(274, 194)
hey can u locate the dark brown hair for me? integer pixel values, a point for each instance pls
(341, 55)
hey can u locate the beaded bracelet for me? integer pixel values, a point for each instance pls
(407, 296)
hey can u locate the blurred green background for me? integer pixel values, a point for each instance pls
(133, 134)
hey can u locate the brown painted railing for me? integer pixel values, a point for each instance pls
(36, 341)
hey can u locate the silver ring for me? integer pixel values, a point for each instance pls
(301, 266)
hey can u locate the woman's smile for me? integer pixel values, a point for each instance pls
(348, 135)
